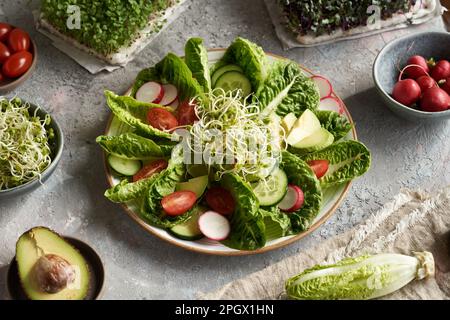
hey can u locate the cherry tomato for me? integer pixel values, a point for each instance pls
(186, 114)
(150, 169)
(5, 29)
(320, 167)
(220, 200)
(4, 53)
(18, 40)
(1, 77)
(161, 119)
(17, 64)
(179, 202)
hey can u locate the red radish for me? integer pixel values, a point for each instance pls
(320, 167)
(434, 100)
(293, 200)
(446, 85)
(150, 92)
(426, 82)
(179, 202)
(174, 105)
(161, 119)
(324, 85)
(332, 104)
(441, 70)
(414, 71)
(220, 200)
(214, 226)
(406, 92)
(170, 94)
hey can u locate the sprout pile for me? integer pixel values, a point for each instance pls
(24, 144)
(232, 137)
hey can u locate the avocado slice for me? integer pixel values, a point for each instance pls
(197, 185)
(319, 140)
(305, 126)
(50, 268)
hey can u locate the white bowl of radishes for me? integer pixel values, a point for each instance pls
(412, 75)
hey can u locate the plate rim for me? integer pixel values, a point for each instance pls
(148, 228)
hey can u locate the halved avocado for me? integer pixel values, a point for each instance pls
(50, 268)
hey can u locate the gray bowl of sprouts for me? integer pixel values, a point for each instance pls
(31, 144)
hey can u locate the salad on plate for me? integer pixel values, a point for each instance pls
(239, 151)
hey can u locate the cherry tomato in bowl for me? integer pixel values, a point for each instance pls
(17, 64)
(5, 53)
(5, 29)
(18, 40)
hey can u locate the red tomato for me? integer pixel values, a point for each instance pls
(150, 169)
(5, 29)
(320, 167)
(186, 114)
(161, 119)
(220, 200)
(4, 53)
(17, 64)
(414, 71)
(1, 77)
(179, 202)
(18, 40)
(441, 70)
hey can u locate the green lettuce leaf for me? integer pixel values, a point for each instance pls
(127, 191)
(162, 186)
(300, 174)
(196, 58)
(131, 146)
(247, 225)
(348, 160)
(287, 89)
(172, 69)
(277, 223)
(335, 123)
(134, 114)
(250, 57)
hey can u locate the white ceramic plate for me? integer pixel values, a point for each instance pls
(331, 201)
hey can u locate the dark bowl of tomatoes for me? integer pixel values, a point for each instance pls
(18, 57)
(412, 75)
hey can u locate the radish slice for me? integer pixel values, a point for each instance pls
(214, 226)
(331, 104)
(150, 92)
(324, 85)
(174, 105)
(293, 200)
(170, 94)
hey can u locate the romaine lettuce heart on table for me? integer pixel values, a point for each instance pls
(237, 195)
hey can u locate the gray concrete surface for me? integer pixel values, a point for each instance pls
(140, 266)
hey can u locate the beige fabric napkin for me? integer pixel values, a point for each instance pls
(413, 221)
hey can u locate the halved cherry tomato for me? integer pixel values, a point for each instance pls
(150, 169)
(17, 64)
(1, 77)
(5, 29)
(186, 114)
(220, 200)
(4, 53)
(161, 119)
(179, 202)
(18, 40)
(320, 167)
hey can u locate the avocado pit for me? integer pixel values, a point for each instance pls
(53, 273)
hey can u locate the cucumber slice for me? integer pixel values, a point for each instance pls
(125, 167)
(189, 230)
(219, 72)
(233, 80)
(273, 190)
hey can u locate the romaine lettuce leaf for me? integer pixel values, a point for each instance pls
(196, 58)
(172, 69)
(277, 223)
(134, 113)
(247, 225)
(335, 123)
(162, 186)
(300, 174)
(250, 57)
(348, 160)
(131, 146)
(287, 89)
(127, 191)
